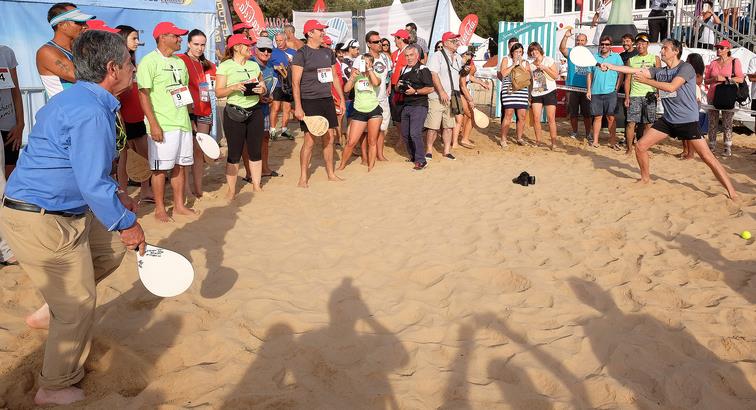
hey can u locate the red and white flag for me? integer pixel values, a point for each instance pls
(467, 29)
(249, 12)
(319, 7)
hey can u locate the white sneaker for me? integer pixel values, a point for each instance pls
(573, 135)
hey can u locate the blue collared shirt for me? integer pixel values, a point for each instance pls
(66, 164)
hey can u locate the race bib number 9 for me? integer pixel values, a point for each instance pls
(6, 81)
(181, 96)
(325, 75)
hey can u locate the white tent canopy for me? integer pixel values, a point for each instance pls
(386, 20)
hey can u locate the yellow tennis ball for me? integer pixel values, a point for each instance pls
(745, 235)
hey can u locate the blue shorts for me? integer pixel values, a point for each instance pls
(604, 104)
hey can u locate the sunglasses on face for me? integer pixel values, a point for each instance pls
(265, 50)
(605, 44)
(375, 42)
(719, 48)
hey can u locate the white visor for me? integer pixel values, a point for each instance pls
(71, 15)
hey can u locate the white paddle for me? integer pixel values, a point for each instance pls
(137, 167)
(316, 125)
(581, 56)
(480, 119)
(163, 272)
(208, 145)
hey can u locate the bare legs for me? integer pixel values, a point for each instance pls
(198, 168)
(305, 155)
(551, 118)
(139, 145)
(177, 183)
(612, 124)
(356, 128)
(653, 137)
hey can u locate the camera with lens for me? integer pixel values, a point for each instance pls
(403, 85)
(650, 97)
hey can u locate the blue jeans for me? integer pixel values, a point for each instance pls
(413, 118)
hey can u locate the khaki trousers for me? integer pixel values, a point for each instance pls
(65, 257)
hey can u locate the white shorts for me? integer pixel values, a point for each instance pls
(384, 104)
(176, 149)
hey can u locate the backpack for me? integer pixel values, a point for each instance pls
(284, 78)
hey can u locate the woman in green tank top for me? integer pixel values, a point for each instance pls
(367, 112)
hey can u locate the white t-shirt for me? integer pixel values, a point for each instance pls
(437, 64)
(752, 70)
(603, 11)
(7, 111)
(542, 83)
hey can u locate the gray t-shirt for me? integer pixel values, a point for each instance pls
(680, 106)
(7, 112)
(317, 77)
(437, 64)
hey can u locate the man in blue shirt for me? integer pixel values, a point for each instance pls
(263, 51)
(602, 92)
(577, 103)
(281, 58)
(61, 184)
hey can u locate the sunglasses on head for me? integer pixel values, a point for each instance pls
(265, 50)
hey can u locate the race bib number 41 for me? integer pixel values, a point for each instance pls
(181, 96)
(325, 75)
(6, 81)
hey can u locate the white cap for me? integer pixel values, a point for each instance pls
(71, 15)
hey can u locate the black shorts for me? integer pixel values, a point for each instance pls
(578, 104)
(199, 119)
(365, 116)
(686, 131)
(135, 130)
(320, 106)
(278, 95)
(11, 155)
(548, 99)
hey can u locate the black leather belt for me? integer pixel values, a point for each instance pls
(27, 207)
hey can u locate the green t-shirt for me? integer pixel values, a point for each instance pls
(161, 75)
(365, 95)
(637, 89)
(236, 73)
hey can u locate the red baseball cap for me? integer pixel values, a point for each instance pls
(101, 26)
(724, 43)
(238, 39)
(313, 25)
(327, 40)
(166, 27)
(449, 36)
(402, 33)
(239, 26)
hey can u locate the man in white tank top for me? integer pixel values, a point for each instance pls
(54, 58)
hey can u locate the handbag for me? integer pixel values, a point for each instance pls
(455, 99)
(238, 114)
(743, 93)
(726, 94)
(519, 78)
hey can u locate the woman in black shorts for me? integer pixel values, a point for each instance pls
(367, 111)
(677, 88)
(132, 120)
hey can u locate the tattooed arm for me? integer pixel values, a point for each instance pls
(53, 62)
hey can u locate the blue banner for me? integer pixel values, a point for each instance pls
(181, 6)
(25, 28)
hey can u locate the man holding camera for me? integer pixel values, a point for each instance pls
(415, 83)
(640, 101)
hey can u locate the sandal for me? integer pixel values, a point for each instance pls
(272, 174)
(467, 145)
(616, 147)
(522, 142)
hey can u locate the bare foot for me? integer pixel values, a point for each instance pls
(162, 216)
(230, 196)
(383, 159)
(335, 177)
(302, 183)
(39, 319)
(185, 211)
(65, 396)
(341, 168)
(643, 181)
(257, 188)
(371, 168)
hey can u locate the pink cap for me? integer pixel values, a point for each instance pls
(101, 26)
(402, 33)
(449, 36)
(238, 39)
